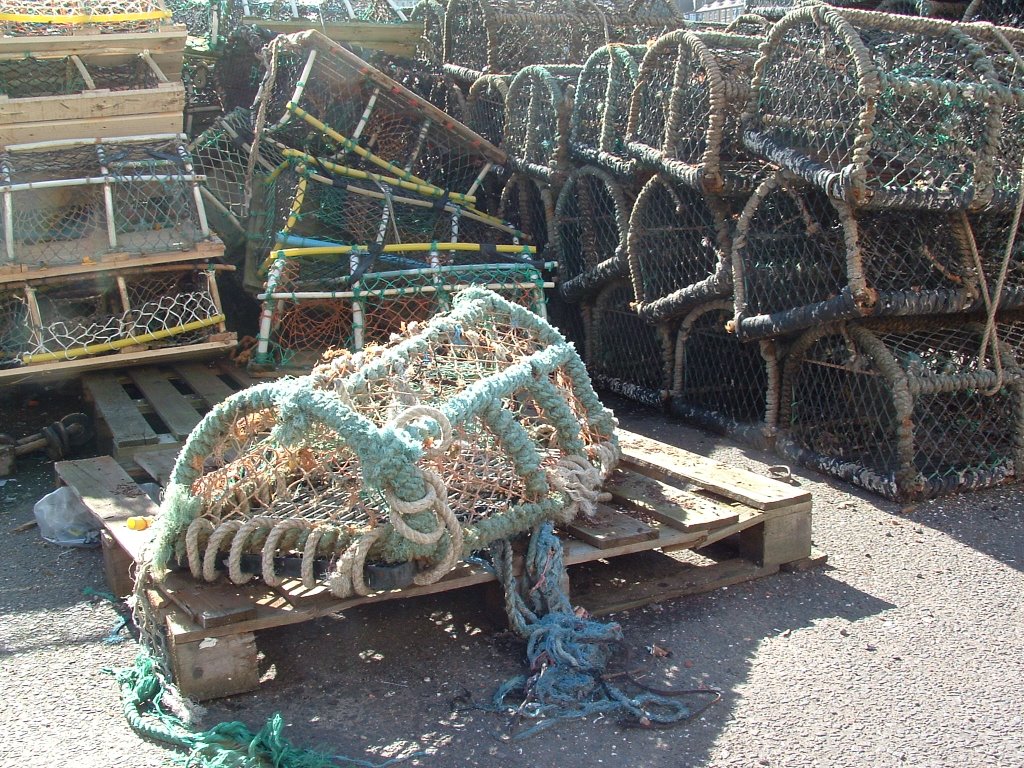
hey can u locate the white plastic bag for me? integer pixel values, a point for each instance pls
(63, 519)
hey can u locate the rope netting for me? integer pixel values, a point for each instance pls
(71, 17)
(537, 116)
(904, 408)
(880, 110)
(590, 228)
(1006, 13)
(198, 16)
(473, 427)
(678, 246)
(801, 259)
(601, 107)
(485, 106)
(65, 202)
(684, 116)
(90, 316)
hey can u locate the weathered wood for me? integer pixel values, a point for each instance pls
(200, 253)
(669, 505)
(211, 668)
(648, 455)
(609, 528)
(117, 411)
(212, 605)
(204, 382)
(117, 566)
(84, 128)
(778, 540)
(158, 463)
(91, 105)
(170, 405)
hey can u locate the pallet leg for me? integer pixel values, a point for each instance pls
(117, 566)
(213, 667)
(778, 540)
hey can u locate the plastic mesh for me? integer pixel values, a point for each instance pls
(69, 17)
(58, 213)
(904, 410)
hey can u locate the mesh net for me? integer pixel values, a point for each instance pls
(239, 69)
(903, 409)
(1007, 13)
(537, 110)
(316, 12)
(94, 315)
(591, 222)
(32, 78)
(678, 246)
(485, 106)
(328, 469)
(430, 15)
(196, 15)
(684, 116)
(877, 131)
(800, 259)
(57, 208)
(529, 206)
(601, 107)
(69, 17)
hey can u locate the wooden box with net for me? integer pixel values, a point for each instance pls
(476, 426)
(537, 115)
(906, 409)
(801, 259)
(68, 202)
(600, 114)
(75, 17)
(590, 229)
(678, 246)
(684, 115)
(880, 110)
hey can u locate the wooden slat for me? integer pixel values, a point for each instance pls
(212, 605)
(609, 528)
(170, 405)
(20, 273)
(646, 455)
(118, 411)
(170, 41)
(85, 128)
(92, 105)
(671, 506)
(112, 497)
(158, 464)
(205, 383)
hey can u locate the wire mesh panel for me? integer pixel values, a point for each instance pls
(1007, 13)
(624, 354)
(684, 115)
(315, 13)
(485, 107)
(93, 315)
(591, 222)
(800, 259)
(69, 17)
(999, 260)
(904, 409)
(537, 116)
(678, 247)
(601, 107)
(74, 201)
(389, 457)
(721, 383)
(321, 99)
(877, 109)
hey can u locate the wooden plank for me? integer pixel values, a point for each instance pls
(112, 497)
(687, 581)
(778, 540)
(238, 375)
(86, 128)
(170, 405)
(200, 253)
(70, 368)
(669, 505)
(118, 411)
(212, 605)
(204, 382)
(159, 463)
(211, 668)
(93, 104)
(646, 455)
(117, 566)
(170, 40)
(609, 528)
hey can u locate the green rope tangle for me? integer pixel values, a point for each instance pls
(473, 427)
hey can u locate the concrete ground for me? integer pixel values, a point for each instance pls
(907, 649)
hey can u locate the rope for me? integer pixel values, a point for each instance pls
(581, 482)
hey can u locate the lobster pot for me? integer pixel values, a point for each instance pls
(429, 14)
(772, 10)
(314, 13)
(684, 115)
(591, 222)
(903, 409)
(85, 317)
(503, 38)
(239, 70)
(678, 248)
(1006, 13)
(600, 112)
(198, 16)
(801, 259)
(65, 202)
(455, 434)
(625, 354)
(202, 101)
(537, 115)
(529, 207)
(749, 25)
(44, 17)
(899, 113)
(322, 100)
(991, 231)
(485, 107)
(719, 382)
(315, 300)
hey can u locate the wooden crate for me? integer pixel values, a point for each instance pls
(665, 499)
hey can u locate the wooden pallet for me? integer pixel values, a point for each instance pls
(143, 415)
(664, 499)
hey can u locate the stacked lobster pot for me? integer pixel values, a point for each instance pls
(882, 250)
(374, 206)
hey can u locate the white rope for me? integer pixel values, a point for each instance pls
(580, 482)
